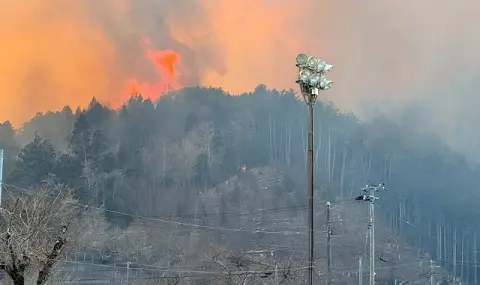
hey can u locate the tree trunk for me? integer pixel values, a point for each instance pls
(342, 172)
(17, 278)
(333, 159)
(444, 256)
(439, 242)
(270, 139)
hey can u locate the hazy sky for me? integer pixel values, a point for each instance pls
(386, 53)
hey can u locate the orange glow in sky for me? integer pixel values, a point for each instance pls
(64, 52)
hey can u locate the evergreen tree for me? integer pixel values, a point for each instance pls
(81, 136)
(36, 161)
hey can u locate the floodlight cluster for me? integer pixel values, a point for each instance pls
(312, 71)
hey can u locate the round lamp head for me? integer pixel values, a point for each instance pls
(327, 68)
(312, 62)
(314, 79)
(321, 65)
(328, 86)
(302, 59)
(325, 84)
(304, 75)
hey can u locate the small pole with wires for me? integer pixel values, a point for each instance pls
(432, 271)
(128, 272)
(329, 247)
(369, 196)
(360, 271)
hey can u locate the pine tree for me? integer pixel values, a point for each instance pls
(36, 162)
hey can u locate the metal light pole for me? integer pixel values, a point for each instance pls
(369, 196)
(311, 78)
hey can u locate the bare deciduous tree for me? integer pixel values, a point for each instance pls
(37, 228)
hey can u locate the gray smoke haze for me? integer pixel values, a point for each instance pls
(415, 60)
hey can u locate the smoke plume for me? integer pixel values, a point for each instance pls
(386, 53)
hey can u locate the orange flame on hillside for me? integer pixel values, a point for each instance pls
(164, 62)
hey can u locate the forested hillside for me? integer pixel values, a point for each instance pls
(174, 167)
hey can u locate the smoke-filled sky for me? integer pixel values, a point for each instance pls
(386, 53)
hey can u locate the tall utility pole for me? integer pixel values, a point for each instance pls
(369, 196)
(329, 247)
(432, 272)
(311, 79)
(371, 215)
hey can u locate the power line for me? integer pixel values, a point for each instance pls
(185, 224)
(165, 269)
(369, 196)
(186, 270)
(276, 209)
(286, 233)
(240, 213)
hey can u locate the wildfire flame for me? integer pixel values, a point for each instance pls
(164, 62)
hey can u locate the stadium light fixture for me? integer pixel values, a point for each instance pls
(311, 75)
(314, 79)
(304, 75)
(325, 84)
(302, 59)
(321, 65)
(312, 62)
(311, 79)
(327, 68)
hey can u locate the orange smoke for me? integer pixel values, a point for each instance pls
(164, 62)
(49, 60)
(64, 52)
(58, 52)
(257, 40)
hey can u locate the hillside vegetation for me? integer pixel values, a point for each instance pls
(167, 176)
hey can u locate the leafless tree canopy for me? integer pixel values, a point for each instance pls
(37, 227)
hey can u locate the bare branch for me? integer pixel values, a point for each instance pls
(36, 227)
